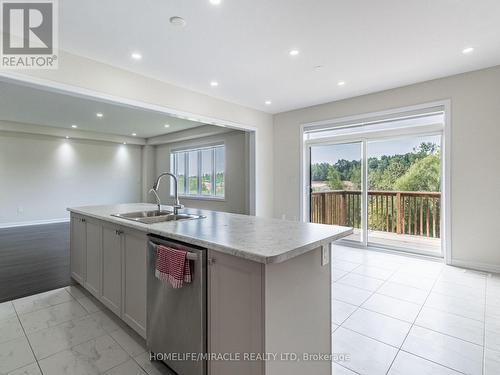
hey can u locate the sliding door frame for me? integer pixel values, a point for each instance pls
(364, 197)
(443, 131)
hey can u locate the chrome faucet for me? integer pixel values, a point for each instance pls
(157, 197)
(177, 204)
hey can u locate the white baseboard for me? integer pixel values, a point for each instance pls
(486, 267)
(34, 222)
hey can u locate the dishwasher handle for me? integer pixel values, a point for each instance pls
(190, 255)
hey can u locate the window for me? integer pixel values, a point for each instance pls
(200, 172)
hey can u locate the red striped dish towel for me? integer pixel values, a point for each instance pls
(173, 266)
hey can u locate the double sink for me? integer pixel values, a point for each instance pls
(151, 217)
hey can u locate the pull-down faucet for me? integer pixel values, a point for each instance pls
(177, 204)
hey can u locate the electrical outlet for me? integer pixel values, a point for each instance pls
(325, 254)
(20, 210)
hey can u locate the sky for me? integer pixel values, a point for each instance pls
(352, 151)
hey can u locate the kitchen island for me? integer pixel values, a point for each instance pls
(268, 293)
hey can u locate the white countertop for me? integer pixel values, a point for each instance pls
(255, 238)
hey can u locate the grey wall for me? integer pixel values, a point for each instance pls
(475, 155)
(236, 199)
(40, 176)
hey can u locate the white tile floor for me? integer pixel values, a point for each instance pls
(68, 332)
(391, 314)
(402, 315)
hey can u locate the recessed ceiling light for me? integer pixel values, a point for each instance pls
(215, 2)
(134, 134)
(214, 83)
(178, 21)
(166, 126)
(136, 56)
(268, 102)
(294, 52)
(67, 137)
(124, 143)
(74, 126)
(341, 83)
(99, 114)
(467, 50)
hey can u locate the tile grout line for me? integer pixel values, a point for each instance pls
(359, 306)
(436, 363)
(347, 368)
(400, 299)
(131, 357)
(46, 307)
(105, 333)
(340, 325)
(403, 321)
(399, 350)
(413, 324)
(71, 347)
(27, 339)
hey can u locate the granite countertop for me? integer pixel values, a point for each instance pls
(255, 238)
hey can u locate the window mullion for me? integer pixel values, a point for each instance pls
(186, 171)
(175, 169)
(213, 178)
(198, 154)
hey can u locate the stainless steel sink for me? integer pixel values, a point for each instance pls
(151, 217)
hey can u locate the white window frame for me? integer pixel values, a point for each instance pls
(198, 150)
(445, 132)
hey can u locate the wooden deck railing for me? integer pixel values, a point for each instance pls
(401, 212)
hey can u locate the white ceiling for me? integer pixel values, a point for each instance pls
(243, 44)
(28, 105)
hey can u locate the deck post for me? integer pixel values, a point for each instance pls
(342, 209)
(398, 213)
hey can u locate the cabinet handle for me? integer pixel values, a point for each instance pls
(211, 261)
(118, 232)
(83, 220)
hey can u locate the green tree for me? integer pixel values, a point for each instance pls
(319, 171)
(423, 175)
(356, 177)
(334, 181)
(427, 148)
(394, 171)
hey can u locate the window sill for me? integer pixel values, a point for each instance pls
(201, 198)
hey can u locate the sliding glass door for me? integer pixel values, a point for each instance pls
(404, 193)
(385, 185)
(336, 180)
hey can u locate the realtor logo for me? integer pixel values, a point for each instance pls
(29, 34)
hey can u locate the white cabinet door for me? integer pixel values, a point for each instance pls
(134, 280)
(235, 312)
(78, 248)
(94, 258)
(112, 268)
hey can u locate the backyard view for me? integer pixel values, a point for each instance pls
(204, 169)
(404, 179)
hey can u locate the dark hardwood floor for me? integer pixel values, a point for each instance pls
(33, 259)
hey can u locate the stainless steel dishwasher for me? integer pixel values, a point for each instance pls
(177, 318)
